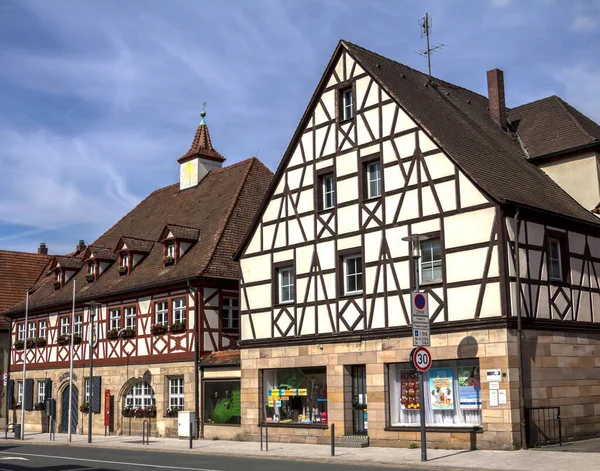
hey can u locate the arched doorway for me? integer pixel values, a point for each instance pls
(64, 423)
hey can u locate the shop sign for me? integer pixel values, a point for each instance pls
(107, 407)
(493, 375)
(442, 389)
(469, 388)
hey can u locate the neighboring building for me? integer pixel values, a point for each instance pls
(382, 153)
(166, 289)
(19, 271)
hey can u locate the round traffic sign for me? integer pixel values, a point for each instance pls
(420, 301)
(421, 359)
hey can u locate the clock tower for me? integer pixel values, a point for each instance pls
(197, 162)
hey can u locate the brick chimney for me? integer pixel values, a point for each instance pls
(495, 80)
(43, 250)
(80, 246)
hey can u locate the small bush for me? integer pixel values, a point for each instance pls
(413, 446)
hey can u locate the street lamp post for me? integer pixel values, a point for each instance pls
(90, 383)
(415, 249)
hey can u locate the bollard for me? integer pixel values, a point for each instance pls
(332, 439)
(261, 445)
(266, 436)
(191, 427)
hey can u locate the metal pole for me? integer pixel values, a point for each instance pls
(523, 425)
(421, 385)
(332, 439)
(266, 436)
(71, 365)
(24, 367)
(91, 348)
(191, 437)
(261, 435)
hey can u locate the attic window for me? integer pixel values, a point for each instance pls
(124, 264)
(170, 254)
(91, 274)
(176, 241)
(346, 102)
(59, 279)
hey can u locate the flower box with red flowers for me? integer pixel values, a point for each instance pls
(77, 339)
(90, 278)
(31, 343)
(150, 411)
(63, 339)
(178, 327)
(19, 344)
(127, 332)
(112, 333)
(40, 342)
(158, 329)
(168, 261)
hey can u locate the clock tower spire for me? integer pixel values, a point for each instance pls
(200, 159)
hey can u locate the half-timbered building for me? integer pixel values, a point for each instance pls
(163, 289)
(502, 200)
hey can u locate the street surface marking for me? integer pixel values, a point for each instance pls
(108, 462)
(14, 458)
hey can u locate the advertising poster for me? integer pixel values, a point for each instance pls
(410, 390)
(440, 380)
(469, 388)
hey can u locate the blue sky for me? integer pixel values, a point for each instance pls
(99, 98)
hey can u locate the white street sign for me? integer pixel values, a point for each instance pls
(420, 319)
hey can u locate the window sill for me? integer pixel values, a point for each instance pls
(284, 304)
(370, 199)
(353, 294)
(326, 210)
(562, 283)
(431, 284)
(295, 425)
(345, 121)
(433, 428)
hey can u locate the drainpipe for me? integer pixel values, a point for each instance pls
(196, 356)
(10, 326)
(520, 333)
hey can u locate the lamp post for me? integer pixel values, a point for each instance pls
(22, 437)
(415, 250)
(91, 339)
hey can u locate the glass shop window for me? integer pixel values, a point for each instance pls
(222, 402)
(295, 395)
(452, 394)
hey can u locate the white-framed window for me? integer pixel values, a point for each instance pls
(125, 260)
(171, 250)
(140, 395)
(161, 313)
(78, 325)
(347, 100)
(59, 276)
(41, 391)
(130, 314)
(328, 191)
(431, 260)
(353, 274)
(92, 269)
(555, 271)
(43, 329)
(21, 331)
(176, 394)
(374, 179)
(179, 310)
(31, 330)
(285, 282)
(19, 392)
(231, 313)
(64, 325)
(115, 319)
(87, 390)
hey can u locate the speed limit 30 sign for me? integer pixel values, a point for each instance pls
(421, 358)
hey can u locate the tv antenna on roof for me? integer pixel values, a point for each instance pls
(426, 26)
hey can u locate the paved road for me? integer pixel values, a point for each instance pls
(20, 457)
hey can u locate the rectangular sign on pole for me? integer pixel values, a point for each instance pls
(420, 319)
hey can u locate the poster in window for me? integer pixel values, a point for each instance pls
(410, 390)
(469, 388)
(440, 380)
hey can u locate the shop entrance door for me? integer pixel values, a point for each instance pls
(360, 425)
(64, 423)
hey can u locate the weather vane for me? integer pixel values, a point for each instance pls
(203, 112)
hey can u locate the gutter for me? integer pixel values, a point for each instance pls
(520, 333)
(543, 158)
(196, 357)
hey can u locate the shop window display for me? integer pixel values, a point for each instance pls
(222, 402)
(452, 394)
(295, 396)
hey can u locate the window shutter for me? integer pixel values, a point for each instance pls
(48, 388)
(28, 394)
(96, 393)
(10, 394)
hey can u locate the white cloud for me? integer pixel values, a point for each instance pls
(584, 23)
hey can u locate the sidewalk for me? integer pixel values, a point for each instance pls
(401, 457)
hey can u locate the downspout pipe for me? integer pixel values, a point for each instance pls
(196, 357)
(523, 426)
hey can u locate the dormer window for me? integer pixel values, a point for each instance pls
(59, 279)
(98, 259)
(131, 253)
(176, 241)
(91, 274)
(64, 268)
(124, 264)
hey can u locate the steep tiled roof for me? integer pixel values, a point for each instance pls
(221, 358)
(459, 120)
(202, 145)
(550, 125)
(208, 207)
(135, 245)
(183, 233)
(100, 253)
(19, 271)
(67, 262)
